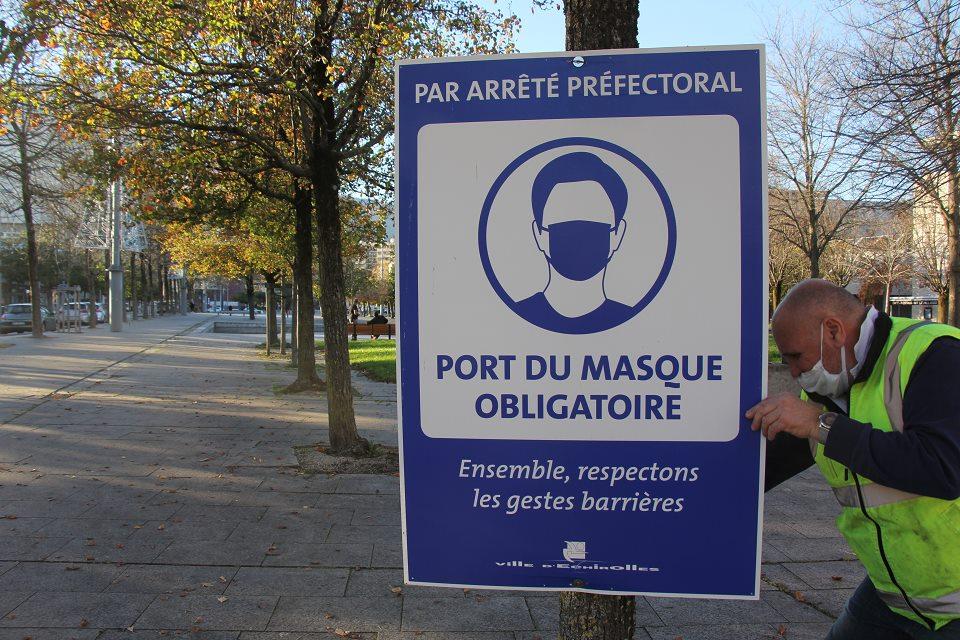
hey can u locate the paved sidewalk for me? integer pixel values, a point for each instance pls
(158, 497)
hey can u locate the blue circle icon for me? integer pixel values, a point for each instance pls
(577, 219)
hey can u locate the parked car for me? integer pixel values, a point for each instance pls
(19, 318)
(84, 307)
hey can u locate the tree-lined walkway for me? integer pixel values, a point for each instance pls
(160, 494)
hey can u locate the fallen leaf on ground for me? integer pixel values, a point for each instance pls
(222, 599)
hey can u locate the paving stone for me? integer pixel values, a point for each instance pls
(828, 575)
(546, 613)
(10, 600)
(770, 554)
(319, 555)
(378, 582)
(50, 634)
(299, 635)
(286, 482)
(387, 555)
(90, 528)
(42, 576)
(281, 531)
(43, 509)
(29, 547)
(371, 533)
(363, 483)
(832, 601)
(348, 613)
(130, 511)
(468, 614)
(444, 635)
(365, 517)
(818, 528)
(168, 634)
(813, 549)
(239, 613)
(126, 550)
(284, 581)
(192, 513)
(78, 610)
(805, 631)
(714, 632)
(639, 634)
(198, 552)
(682, 611)
(791, 609)
(147, 578)
(6, 566)
(646, 615)
(24, 526)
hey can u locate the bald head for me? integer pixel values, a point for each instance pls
(812, 301)
(817, 317)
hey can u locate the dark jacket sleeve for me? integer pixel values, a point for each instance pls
(925, 458)
(787, 456)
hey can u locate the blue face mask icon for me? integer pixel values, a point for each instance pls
(579, 249)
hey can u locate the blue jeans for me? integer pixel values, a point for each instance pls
(866, 618)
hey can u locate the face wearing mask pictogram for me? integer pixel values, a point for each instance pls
(578, 204)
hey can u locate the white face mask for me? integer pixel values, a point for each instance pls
(820, 381)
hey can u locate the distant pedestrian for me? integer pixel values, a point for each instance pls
(378, 318)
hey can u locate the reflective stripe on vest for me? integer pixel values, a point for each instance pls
(948, 603)
(874, 495)
(892, 395)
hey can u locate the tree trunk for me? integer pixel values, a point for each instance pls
(343, 424)
(886, 298)
(590, 616)
(26, 204)
(953, 278)
(250, 297)
(601, 24)
(152, 287)
(293, 323)
(305, 356)
(594, 25)
(106, 278)
(144, 293)
(92, 298)
(283, 319)
(133, 285)
(942, 304)
(271, 303)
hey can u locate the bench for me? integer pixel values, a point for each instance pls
(372, 330)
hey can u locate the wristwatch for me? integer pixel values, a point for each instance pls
(826, 422)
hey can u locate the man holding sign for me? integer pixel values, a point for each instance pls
(881, 412)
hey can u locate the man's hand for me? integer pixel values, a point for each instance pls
(786, 412)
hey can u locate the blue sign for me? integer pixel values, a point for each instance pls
(582, 302)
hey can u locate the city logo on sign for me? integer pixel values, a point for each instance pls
(575, 551)
(596, 222)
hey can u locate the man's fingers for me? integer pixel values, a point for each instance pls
(775, 428)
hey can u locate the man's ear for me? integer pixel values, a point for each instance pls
(542, 240)
(618, 232)
(833, 331)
